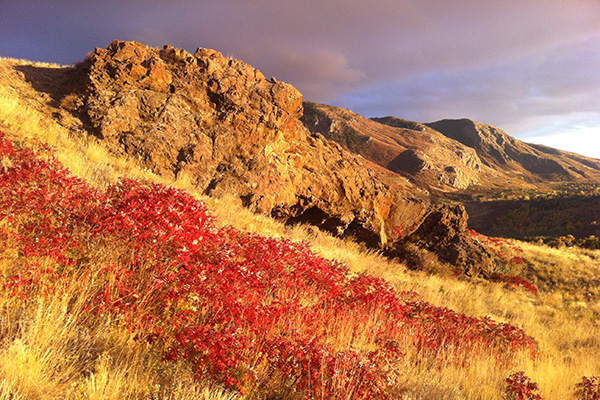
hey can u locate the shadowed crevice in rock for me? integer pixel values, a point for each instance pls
(211, 186)
(319, 218)
(356, 230)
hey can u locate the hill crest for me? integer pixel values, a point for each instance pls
(501, 151)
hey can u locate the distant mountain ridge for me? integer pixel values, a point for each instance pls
(408, 148)
(450, 155)
(499, 150)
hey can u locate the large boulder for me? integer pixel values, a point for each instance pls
(443, 233)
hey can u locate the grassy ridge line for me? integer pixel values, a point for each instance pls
(563, 323)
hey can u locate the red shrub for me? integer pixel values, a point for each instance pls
(515, 281)
(232, 304)
(520, 387)
(588, 388)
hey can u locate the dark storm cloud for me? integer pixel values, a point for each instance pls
(514, 63)
(564, 81)
(559, 90)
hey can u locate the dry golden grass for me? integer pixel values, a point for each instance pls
(52, 347)
(564, 324)
(44, 353)
(82, 155)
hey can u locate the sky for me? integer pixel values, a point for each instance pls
(529, 67)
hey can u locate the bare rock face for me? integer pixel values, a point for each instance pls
(220, 124)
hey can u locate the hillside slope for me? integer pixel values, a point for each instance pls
(250, 313)
(413, 150)
(97, 250)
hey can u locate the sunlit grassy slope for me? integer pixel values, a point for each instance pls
(50, 348)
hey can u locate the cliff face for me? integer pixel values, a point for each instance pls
(221, 125)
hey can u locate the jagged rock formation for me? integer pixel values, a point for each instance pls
(229, 130)
(221, 125)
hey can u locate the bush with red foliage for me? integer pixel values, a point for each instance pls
(241, 309)
(588, 388)
(496, 242)
(514, 281)
(520, 387)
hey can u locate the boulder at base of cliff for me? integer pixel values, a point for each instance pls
(443, 233)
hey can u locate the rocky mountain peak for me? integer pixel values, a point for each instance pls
(499, 150)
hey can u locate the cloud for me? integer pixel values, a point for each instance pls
(513, 96)
(381, 37)
(317, 73)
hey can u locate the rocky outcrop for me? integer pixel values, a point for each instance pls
(221, 126)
